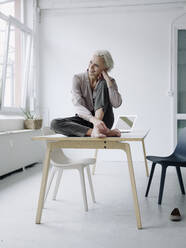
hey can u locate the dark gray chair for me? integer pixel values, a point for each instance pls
(176, 159)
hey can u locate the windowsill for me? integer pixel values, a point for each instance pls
(5, 117)
(11, 123)
(18, 131)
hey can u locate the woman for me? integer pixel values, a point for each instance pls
(94, 93)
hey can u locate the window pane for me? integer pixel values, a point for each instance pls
(3, 28)
(181, 124)
(8, 8)
(181, 71)
(14, 86)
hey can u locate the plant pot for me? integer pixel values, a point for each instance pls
(33, 124)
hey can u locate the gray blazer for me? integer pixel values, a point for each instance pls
(82, 95)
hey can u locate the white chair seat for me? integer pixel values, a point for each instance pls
(60, 162)
(71, 164)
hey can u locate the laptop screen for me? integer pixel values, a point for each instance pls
(125, 123)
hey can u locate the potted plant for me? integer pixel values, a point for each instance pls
(31, 121)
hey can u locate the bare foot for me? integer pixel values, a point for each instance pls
(97, 134)
(114, 133)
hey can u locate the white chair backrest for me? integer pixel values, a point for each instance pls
(57, 154)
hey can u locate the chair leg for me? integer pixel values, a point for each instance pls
(90, 183)
(60, 172)
(162, 182)
(50, 181)
(180, 180)
(94, 165)
(150, 178)
(82, 178)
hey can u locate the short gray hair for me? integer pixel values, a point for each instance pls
(109, 63)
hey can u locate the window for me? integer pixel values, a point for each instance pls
(178, 75)
(3, 27)
(181, 78)
(15, 47)
(8, 8)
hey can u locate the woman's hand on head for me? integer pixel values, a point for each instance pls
(100, 77)
(107, 78)
(105, 75)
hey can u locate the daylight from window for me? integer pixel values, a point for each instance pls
(7, 9)
(15, 46)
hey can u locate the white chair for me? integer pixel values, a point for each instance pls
(60, 162)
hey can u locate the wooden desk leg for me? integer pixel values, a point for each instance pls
(43, 184)
(94, 166)
(144, 152)
(133, 184)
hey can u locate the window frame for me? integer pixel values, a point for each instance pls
(4, 18)
(12, 21)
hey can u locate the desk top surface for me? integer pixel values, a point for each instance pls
(132, 136)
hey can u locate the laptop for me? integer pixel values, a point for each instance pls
(125, 123)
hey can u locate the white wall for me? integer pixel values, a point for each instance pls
(140, 44)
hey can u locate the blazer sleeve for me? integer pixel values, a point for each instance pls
(78, 100)
(115, 96)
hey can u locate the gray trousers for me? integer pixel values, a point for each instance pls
(76, 126)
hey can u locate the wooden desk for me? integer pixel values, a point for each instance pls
(60, 141)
